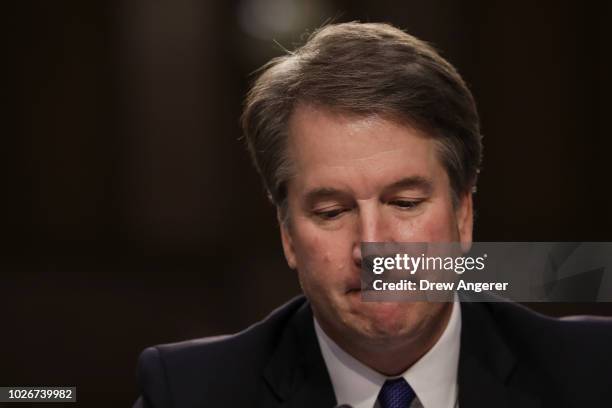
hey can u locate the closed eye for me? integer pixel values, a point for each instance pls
(406, 204)
(330, 214)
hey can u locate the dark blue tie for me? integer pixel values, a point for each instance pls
(396, 393)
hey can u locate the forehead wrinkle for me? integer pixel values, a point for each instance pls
(346, 162)
(364, 174)
(375, 154)
(360, 128)
(361, 186)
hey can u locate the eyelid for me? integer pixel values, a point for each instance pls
(327, 207)
(412, 202)
(325, 212)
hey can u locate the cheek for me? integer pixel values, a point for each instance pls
(315, 244)
(322, 256)
(311, 247)
(443, 227)
(437, 224)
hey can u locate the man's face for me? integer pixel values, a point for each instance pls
(363, 179)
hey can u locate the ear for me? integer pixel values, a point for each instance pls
(465, 220)
(286, 240)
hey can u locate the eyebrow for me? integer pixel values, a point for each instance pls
(408, 183)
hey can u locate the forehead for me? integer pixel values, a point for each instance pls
(361, 153)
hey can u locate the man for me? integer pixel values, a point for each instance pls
(365, 134)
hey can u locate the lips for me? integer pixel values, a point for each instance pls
(354, 286)
(362, 280)
(353, 282)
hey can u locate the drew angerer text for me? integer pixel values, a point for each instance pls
(424, 284)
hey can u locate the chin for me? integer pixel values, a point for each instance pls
(387, 320)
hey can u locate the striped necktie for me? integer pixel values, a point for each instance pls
(396, 393)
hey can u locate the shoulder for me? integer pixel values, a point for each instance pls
(577, 335)
(525, 327)
(569, 354)
(170, 371)
(227, 349)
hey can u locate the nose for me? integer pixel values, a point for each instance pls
(370, 226)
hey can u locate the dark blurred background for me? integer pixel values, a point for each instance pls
(133, 215)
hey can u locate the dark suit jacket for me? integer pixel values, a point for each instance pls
(510, 357)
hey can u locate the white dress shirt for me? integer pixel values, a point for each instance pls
(433, 377)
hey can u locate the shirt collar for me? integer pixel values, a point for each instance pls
(433, 377)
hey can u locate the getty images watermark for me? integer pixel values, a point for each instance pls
(487, 271)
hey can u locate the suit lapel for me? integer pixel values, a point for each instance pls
(486, 363)
(296, 373)
(298, 378)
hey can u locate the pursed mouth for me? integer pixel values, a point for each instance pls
(354, 285)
